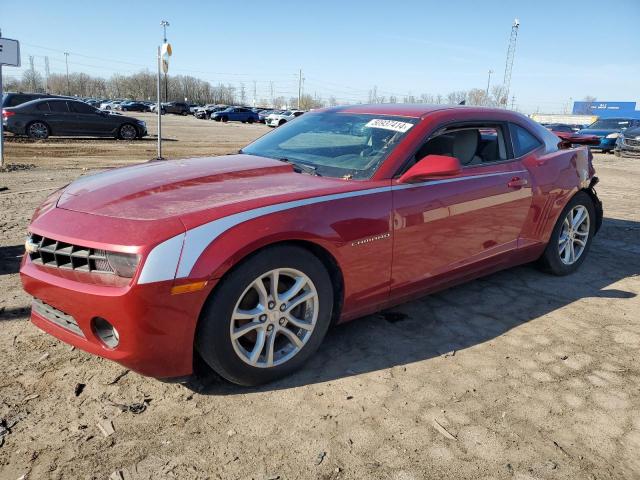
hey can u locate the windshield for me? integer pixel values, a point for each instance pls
(610, 124)
(336, 144)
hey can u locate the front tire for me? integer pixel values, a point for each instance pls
(571, 237)
(267, 316)
(127, 132)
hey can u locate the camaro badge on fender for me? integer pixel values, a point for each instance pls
(370, 239)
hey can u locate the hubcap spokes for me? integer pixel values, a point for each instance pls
(274, 317)
(128, 132)
(574, 235)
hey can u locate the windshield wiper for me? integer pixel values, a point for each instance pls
(304, 167)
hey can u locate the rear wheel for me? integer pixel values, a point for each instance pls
(571, 236)
(38, 130)
(127, 132)
(250, 120)
(267, 317)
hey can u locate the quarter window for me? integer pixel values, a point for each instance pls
(523, 141)
(44, 106)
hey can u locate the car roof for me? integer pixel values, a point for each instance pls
(404, 109)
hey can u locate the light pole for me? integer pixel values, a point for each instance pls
(66, 61)
(164, 24)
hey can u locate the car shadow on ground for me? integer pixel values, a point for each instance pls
(462, 316)
(10, 257)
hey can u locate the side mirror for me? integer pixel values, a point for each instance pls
(431, 167)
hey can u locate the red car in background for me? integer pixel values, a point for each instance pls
(247, 259)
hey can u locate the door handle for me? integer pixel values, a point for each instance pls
(517, 182)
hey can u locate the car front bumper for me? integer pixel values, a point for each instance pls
(628, 145)
(156, 329)
(606, 144)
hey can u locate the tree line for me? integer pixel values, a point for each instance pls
(142, 86)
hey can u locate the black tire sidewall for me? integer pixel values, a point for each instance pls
(213, 340)
(551, 257)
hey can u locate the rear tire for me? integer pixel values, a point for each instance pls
(38, 130)
(571, 237)
(250, 120)
(276, 332)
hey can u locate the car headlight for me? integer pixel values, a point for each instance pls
(613, 135)
(123, 264)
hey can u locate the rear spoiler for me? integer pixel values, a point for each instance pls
(568, 139)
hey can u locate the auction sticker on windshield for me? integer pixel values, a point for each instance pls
(394, 125)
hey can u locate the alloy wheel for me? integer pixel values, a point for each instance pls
(574, 234)
(38, 130)
(274, 317)
(128, 132)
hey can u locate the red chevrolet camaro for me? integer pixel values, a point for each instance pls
(247, 259)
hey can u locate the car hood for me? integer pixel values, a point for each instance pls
(597, 131)
(186, 188)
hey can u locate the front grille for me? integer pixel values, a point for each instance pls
(630, 142)
(56, 316)
(53, 253)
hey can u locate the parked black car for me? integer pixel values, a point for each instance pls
(179, 108)
(628, 143)
(15, 99)
(134, 107)
(40, 119)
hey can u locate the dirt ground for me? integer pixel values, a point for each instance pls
(518, 375)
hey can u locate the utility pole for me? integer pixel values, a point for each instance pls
(271, 91)
(66, 61)
(254, 94)
(164, 25)
(47, 73)
(299, 89)
(32, 80)
(513, 101)
(488, 83)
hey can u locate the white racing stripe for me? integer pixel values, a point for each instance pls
(175, 257)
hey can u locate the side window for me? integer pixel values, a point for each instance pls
(80, 107)
(473, 145)
(523, 141)
(43, 107)
(59, 106)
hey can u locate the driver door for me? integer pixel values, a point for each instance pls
(447, 228)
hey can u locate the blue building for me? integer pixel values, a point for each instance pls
(606, 109)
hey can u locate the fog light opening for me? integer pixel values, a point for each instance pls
(106, 332)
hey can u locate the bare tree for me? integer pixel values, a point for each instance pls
(457, 97)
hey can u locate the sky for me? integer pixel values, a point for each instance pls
(565, 50)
